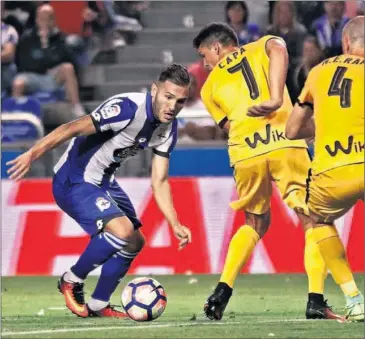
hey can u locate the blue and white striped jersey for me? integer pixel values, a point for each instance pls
(125, 125)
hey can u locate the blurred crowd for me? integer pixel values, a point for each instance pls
(45, 45)
(311, 30)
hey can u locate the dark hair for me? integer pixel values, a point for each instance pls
(243, 5)
(175, 73)
(216, 31)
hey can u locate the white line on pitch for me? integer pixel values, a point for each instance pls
(67, 330)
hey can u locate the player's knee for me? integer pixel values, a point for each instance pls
(136, 243)
(259, 222)
(67, 68)
(140, 243)
(120, 227)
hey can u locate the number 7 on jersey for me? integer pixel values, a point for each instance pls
(248, 75)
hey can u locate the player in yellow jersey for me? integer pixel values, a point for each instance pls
(245, 94)
(331, 107)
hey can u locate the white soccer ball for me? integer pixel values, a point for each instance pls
(144, 299)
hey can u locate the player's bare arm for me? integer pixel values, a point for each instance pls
(162, 193)
(279, 60)
(300, 124)
(21, 164)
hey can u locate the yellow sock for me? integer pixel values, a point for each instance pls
(240, 249)
(314, 264)
(334, 255)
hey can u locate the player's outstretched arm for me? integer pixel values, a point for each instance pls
(162, 194)
(278, 68)
(21, 165)
(300, 124)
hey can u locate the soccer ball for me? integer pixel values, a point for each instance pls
(144, 299)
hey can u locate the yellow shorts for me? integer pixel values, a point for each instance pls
(332, 193)
(287, 167)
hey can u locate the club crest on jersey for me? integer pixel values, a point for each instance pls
(102, 204)
(110, 111)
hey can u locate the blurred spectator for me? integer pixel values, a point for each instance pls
(9, 40)
(286, 26)
(20, 14)
(198, 75)
(312, 56)
(328, 28)
(360, 8)
(131, 9)
(198, 129)
(237, 16)
(44, 61)
(121, 24)
(78, 20)
(354, 8)
(307, 11)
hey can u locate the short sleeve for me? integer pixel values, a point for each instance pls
(214, 110)
(113, 114)
(261, 43)
(306, 98)
(165, 149)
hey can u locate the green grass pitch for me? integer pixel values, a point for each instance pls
(263, 306)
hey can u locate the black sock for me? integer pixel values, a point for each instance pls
(224, 290)
(315, 297)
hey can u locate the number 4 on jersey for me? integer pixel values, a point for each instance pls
(342, 87)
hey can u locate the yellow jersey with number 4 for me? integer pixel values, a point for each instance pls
(239, 81)
(335, 90)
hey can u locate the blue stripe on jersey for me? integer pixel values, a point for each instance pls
(82, 151)
(149, 109)
(144, 135)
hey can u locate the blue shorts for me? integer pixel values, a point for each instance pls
(92, 206)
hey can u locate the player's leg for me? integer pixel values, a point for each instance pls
(116, 267)
(254, 190)
(289, 170)
(92, 208)
(331, 195)
(112, 272)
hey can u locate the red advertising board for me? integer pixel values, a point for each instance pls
(39, 239)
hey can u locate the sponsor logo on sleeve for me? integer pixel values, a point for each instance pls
(110, 111)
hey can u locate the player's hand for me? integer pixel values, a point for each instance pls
(20, 166)
(183, 234)
(265, 108)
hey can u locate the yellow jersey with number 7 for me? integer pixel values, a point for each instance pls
(239, 81)
(335, 90)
